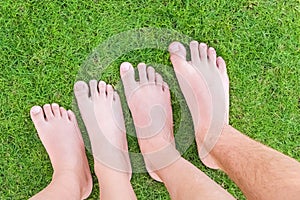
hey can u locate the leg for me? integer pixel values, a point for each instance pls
(149, 102)
(261, 172)
(58, 130)
(103, 118)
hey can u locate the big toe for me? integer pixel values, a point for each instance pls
(81, 90)
(177, 56)
(128, 77)
(176, 48)
(37, 115)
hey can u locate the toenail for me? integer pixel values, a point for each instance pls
(36, 110)
(125, 66)
(203, 45)
(194, 43)
(174, 47)
(212, 50)
(54, 104)
(79, 86)
(102, 83)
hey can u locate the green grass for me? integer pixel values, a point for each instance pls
(44, 43)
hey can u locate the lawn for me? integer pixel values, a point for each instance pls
(45, 44)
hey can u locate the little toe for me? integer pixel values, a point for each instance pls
(195, 56)
(102, 88)
(158, 79)
(165, 86)
(71, 116)
(93, 88)
(37, 115)
(127, 76)
(116, 97)
(48, 111)
(166, 89)
(212, 55)
(221, 65)
(109, 91)
(176, 48)
(142, 73)
(203, 51)
(151, 74)
(63, 112)
(55, 110)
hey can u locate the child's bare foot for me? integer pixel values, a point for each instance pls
(149, 102)
(103, 118)
(205, 86)
(59, 133)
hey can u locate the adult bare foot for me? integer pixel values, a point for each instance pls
(149, 102)
(59, 133)
(103, 118)
(203, 81)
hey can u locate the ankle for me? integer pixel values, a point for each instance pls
(105, 173)
(71, 181)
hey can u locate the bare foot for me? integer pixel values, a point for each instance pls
(150, 105)
(59, 133)
(103, 118)
(202, 91)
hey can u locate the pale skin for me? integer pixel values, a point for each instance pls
(59, 133)
(102, 114)
(115, 184)
(193, 183)
(260, 172)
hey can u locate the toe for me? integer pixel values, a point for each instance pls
(102, 88)
(109, 91)
(55, 110)
(93, 88)
(142, 73)
(116, 97)
(127, 76)
(71, 116)
(212, 55)
(48, 111)
(81, 89)
(195, 56)
(203, 51)
(151, 74)
(165, 86)
(158, 79)
(63, 112)
(37, 115)
(176, 48)
(221, 65)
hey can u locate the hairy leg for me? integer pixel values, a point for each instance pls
(260, 172)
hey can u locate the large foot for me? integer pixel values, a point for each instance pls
(103, 117)
(197, 89)
(59, 133)
(150, 106)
